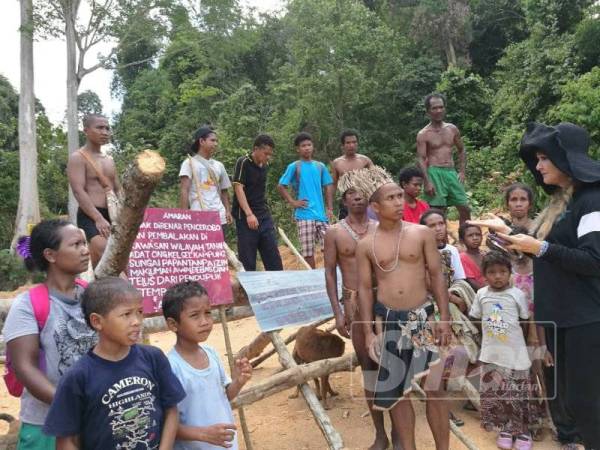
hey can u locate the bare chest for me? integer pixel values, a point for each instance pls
(442, 139)
(344, 165)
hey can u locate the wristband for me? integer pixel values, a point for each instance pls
(543, 249)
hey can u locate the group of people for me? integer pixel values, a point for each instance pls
(409, 298)
(306, 185)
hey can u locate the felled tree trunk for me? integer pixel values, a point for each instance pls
(293, 377)
(138, 184)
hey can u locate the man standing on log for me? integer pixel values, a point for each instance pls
(340, 251)
(203, 181)
(350, 160)
(443, 186)
(92, 175)
(399, 327)
(253, 221)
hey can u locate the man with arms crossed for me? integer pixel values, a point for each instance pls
(443, 186)
(88, 189)
(350, 160)
(405, 341)
(340, 246)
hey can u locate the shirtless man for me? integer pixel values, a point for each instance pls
(443, 187)
(92, 215)
(350, 160)
(405, 340)
(340, 246)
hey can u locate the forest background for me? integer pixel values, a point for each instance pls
(321, 66)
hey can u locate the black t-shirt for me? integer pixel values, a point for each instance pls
(566, 279)
(254, 179)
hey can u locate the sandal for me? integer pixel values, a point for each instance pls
(458, 422)
(523, 442)
(504, 441)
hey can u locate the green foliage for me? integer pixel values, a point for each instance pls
(12, 271)
(9, 195)
(587, 37)
(495, 25)
(469, 103)
(580, 104)
(9, 112)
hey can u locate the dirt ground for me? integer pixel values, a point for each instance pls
(278, 422)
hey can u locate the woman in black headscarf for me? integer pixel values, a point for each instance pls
(565, 244)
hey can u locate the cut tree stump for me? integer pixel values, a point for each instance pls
(139, 182)
(294, 376)
(333, 438)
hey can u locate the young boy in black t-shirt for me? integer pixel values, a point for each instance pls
(120, 395)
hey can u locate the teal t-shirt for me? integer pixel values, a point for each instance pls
(313, 176)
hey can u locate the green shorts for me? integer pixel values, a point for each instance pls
(31, 437)
(449, 191)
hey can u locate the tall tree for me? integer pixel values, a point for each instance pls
(62, 17)
(28, 211)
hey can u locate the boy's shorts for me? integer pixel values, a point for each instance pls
(31, 437)
(309, 233)
(449, 191)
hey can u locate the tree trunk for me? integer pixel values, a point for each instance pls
(28, 211)
(293, 377)
(139, 182)
(70, 9)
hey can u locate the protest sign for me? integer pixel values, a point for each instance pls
(175, 245)
(287, 298)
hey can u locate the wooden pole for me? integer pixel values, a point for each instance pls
(245, 431)
(256, 362)
(333, 438)
(462, 437)
(293, 249)
(293, 377)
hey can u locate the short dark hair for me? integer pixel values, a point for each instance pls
(201, 133)
(347, 133)
(89, 119)
(45, 234)
(428, 98)
(513, 187)
(431, 212)
(263, 140)
(103, 295)
(462, 229)
(408, 173)
(176, 295)
(495, 258)
(301, 137)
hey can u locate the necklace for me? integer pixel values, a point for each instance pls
(391, 269)
(356, 235)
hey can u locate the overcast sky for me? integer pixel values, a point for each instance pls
(50, 63)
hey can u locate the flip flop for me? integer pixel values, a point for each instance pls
(458, 422)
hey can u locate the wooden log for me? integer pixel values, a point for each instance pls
(157, 324)
(139, 182)
(293, 249)
(293, 377)
(233, 260)
(463, 384)
(333, 438)
(254, 348)
(242, 415)
(256, 362)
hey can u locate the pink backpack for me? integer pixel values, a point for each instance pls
(40, 301)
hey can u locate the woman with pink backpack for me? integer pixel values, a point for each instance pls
(45, 330)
